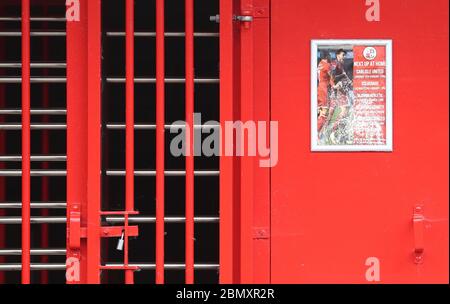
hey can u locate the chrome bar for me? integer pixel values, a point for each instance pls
(167, 173)
(167, 34)
(16, 220)
(151, 266)
(34, 34)
(34, 205)
(167, 80)
(18, 252)
(34, 19)
(34, 173)
(34, 80)
(36, 158)
(35, 65)
(143, 266)
(34, 267)
(34, 112)
(114, 126)
(35, 126)
(169, 220)
(119, 126)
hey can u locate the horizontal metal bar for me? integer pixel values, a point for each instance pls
(36, 158)
(167, 80)
(119, 126)
(34, 205)
(166, 173)
(16, 220)
(41, 172)
(34, 267)
(151, 266)
(35, 65)
(34, 80)
(35, 34)
(114, 126)
(167, 34)
(169, 220)
(34, 173)
(34, 19)
(34, 112)
(110, 80)
(143, 266)
(36, 126)
(16, 252)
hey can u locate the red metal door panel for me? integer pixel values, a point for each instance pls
(333, 211)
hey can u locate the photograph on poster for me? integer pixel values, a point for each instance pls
(351, 95)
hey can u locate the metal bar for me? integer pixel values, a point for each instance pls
(118, 126)
(26, 213)
(35, 252)
(168, 220)
(34, 126)
(189, 232)
(167, 80)
(32, 173)
(171, 173)
(111, 80)
(34, 111)
(93, 203)
(129, 136)
(2, 151)
(34, 34)
(34, 158)
(34, 65)
(16, 220)
(167, 34)
(56, 173)
(33, 267)
(247, 170)
(153, 127)
(76, 135)
(34, 19)
(143, 266)
(11, 80)
(227, 193)
(34, 205)
(160, 140)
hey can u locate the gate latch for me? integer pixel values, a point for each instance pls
(419, 231)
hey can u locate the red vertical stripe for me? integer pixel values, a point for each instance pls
(226, 163)
(190, 141)
(26, 141)
(160, 97)
(129, 179)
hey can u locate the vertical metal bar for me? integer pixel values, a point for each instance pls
(247, 162)
(26, 142)
(129, 146)
(226, 162)
(160, 150)
(93, 50)
(190, 141)
(76, 136)
(45, 151)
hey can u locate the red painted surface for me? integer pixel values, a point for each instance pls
(331, 211)
(160, 130)
(129, 146)
(26, 184)
(189, 238)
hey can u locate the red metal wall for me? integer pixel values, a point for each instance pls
(331, 211)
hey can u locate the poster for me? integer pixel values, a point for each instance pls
(351, 95)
